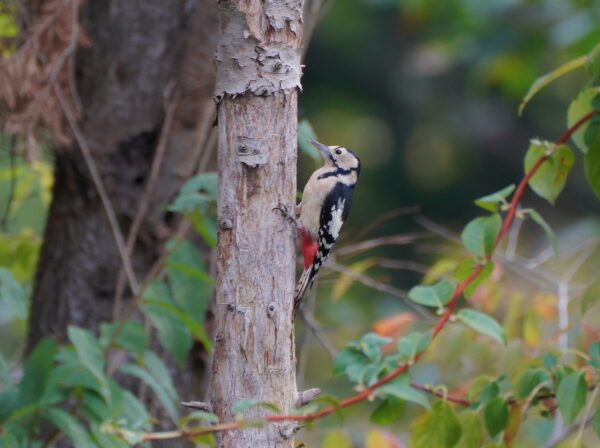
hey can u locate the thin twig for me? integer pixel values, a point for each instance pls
(385, 217)
(380, 286)
(440, 394)
(402, 264)
(207, 137)
(144, 204)
(513, 237)
(97, 179)
(400, 239)
(437, 229)
(317, 331)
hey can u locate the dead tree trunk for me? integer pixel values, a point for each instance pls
(258, 74)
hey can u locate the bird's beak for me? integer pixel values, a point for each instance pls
(321, 147)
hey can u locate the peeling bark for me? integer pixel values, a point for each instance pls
(258, 76)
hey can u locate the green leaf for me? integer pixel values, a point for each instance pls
(13, 296)
(348, 357)
(70, 426)
(533, 214)
(134, 412)
(90, 355)
(546, 79)
(205, 440)
(389, 411)
(199, 191)
(336, 439)
(466, 267)
(570, 395)
(590, 296)
(496, 415)
(37, 371)
(438, 294)
(438, 428)
(413, 343)
(400, 388)
(594, 349)
(190, 284)
(305, 134)
(482, 323)
(94, 407)
(7, 381)
(8, 24)
(367, 375)
(371, 344)
(132, 336)
(579, 107)
(106, 440)
(9, 440)
(550, 178)
(479, 235)
(173, 333)
(243, 405)
(492, 202)
(549, 360)
(591, 136)
(472, 430)
(592, 169)
(159, 371)
(163, 395)
(596, 421)
(530, 379)
(196, 328)
(490, 391)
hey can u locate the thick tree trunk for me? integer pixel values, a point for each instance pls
(138, 49)
(258, 74)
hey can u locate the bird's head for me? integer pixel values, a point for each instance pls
(338, 157)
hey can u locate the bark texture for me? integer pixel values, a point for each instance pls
(258, 71)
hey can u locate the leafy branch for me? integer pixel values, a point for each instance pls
(368, 392)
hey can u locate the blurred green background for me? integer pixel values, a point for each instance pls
(427, 93)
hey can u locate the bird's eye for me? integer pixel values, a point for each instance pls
(338, 151)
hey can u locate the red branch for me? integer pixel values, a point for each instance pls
(368, 391)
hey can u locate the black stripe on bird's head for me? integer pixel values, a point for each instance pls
(339, 157)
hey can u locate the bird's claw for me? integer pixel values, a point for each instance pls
(284, 210)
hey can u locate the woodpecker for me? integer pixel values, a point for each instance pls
(325, 206)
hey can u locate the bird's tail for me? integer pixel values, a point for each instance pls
(304, 284)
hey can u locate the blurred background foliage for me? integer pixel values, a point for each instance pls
(426, 92)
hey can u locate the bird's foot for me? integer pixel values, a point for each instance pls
(285, 211)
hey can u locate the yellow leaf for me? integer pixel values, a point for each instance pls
(514, 423)
(545, 305)
(381, 439)
(336, 439)
(345, 280)
(394, 326)
(531, 330)
(439, 270)
(546, 79)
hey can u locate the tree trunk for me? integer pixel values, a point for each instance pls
(258, 74)
(138, 49)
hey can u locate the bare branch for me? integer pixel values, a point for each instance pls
(400, 240)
